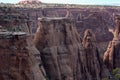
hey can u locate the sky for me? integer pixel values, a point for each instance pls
(104, 2)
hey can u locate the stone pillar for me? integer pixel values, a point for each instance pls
(61, 49)
(93, 61)
(112, 55)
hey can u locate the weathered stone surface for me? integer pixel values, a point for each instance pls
(93, 61)
(61, 49)
(112, 54)
(17, 58)
(99, 19)
(13, 20)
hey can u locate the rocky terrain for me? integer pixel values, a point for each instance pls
(112, 54)
(62, 51)
(92, 56)
(98, 18)
(18, 57)
(13, 20)
(53, 45)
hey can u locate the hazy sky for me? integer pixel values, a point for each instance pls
(117, 2)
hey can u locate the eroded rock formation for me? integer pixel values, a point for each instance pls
(61, 49)
(112, 54)
(63, 54)
(92, 57)
(99, 19)
(13, 20)
(17, 58)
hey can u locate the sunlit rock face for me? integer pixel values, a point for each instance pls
(17, 57)
(61, 49)
(112, 54)
(29, 2)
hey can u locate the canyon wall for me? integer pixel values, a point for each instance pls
(63, 56)
(14, 20)
(17, 57)
(93, 61)
(100, 18)
(62, 51)
(112, 54)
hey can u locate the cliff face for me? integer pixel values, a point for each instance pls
(63, 55)
(99, 19)
(13, 20)
(93, 61)
(60, 47)
(62, 52)
(17, 58)
(112, 54)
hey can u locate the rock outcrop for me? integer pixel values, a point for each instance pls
(99, 18)
(93, 61)
(63, 54)
(13, 20)
(61, 49)
(17, 58)
(29, 2)
(112, 54)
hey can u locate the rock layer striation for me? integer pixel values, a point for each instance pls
(93, 61)
(112, 54)
(17, 58)
(62, 52)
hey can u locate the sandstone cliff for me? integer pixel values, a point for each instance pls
(93, 61)
(100, 18)
(17, 58)
(112, 54)
(13, 20)
(61, 49)
(63, 54)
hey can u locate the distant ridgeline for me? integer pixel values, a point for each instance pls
(29, 2)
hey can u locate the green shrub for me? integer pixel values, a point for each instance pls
(115, 71)
(117, 76)
(105, 79)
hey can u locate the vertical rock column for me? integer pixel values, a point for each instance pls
(92, 61)
(61, 49)
(112, 54)
(17, 57)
